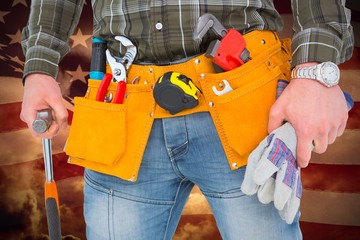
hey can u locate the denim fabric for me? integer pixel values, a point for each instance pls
(181, 152)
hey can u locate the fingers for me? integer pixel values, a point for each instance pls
(43, 92)
(318, 144)
(276, 117)
(60, 114)
(341, 129)
(303, 151)
(332, 136)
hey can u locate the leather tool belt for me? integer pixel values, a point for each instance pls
(111, 138)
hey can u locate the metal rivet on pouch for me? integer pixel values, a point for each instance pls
(197, 61)
(151, 114)
(150, 70)
(211, 104)
(202, 75)
(145, 82)
(132, 178)
(263, 41)
(234, 165)
(108, 98)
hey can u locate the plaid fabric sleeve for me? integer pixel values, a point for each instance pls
(322, 31)
(45, 38)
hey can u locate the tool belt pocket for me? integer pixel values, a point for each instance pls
(98, 131)
(241, 115)
(111, 138)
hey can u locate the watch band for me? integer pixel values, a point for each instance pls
(326, 73)
(305, 72)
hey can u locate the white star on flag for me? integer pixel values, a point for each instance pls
(78, 74)
(2, 15)
(15, 38)
(23, 2)
(80, 39)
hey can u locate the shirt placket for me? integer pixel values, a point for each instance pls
(159, 32)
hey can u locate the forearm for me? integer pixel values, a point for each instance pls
(322, 31)
(45, 38)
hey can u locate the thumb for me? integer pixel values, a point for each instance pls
(276, 116)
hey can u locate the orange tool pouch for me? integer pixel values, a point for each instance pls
(111, 138)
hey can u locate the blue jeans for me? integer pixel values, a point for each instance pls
(181, 152)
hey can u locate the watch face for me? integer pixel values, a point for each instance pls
(330, 73)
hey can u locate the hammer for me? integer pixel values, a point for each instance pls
(40, 125)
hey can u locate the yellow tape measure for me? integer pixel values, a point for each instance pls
(174, 92)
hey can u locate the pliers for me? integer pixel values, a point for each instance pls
(118, 75)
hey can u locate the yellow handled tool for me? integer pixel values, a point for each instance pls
(40, 125)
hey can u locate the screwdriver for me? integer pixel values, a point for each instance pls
(98, 59)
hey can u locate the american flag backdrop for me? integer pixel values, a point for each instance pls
(331, 196)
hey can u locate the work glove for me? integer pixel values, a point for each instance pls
(273, 174)
(272, 171)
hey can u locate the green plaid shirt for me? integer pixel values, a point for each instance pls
(162, 30)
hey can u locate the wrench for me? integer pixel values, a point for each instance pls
(228, 53)
(206, 22)
(227, 88)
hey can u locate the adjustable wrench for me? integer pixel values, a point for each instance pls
(228, 53)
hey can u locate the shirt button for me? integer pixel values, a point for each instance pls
(159, 26)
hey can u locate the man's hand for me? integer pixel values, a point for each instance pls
(40, 92)
(317, 113)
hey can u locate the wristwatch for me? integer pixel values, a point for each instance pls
(327, 73)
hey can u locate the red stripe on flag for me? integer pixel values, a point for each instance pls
(10, 117)
(353, 62)
(354, 117)
(70, 117)
(321, 231)
(329, 177)
(283, 6)
(62, 169)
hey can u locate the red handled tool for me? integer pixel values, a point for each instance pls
(118, 75)
(104, 85)
(40, 125)
(230, 51)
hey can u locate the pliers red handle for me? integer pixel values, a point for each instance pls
(103, 88)
(118, 75)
